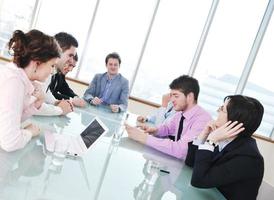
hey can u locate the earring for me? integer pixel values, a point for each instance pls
(37, 64)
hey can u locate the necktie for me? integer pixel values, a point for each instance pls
(180, 129)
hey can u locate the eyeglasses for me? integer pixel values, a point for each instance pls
(221, 109)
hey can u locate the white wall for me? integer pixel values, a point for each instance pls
(267, 150)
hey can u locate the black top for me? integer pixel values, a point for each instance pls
(237, 171)
(60, 88)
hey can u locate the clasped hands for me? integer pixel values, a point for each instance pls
(67, 105)
(97, 101)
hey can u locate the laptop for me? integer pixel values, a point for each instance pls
(80, 144)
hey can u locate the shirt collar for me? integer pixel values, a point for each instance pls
(224, 143)
(189, 113)
(113, 77)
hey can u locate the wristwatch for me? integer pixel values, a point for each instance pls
(211, 143)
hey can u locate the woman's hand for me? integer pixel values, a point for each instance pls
(34, 129)
(226, 131)
(66, 106)
(211, 126)
(39, 94)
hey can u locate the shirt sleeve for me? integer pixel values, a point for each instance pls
(206, 146)
(197, 142)
(90, 92)
(29, 110)
(12, 137)
(179, 148)
(124, 96)
(48, 110)
(60, 88)
(151, 118)
(49, 98)
(168, 127)
(159, 115)
(66, 91)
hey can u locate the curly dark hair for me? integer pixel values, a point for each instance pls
(34, 45)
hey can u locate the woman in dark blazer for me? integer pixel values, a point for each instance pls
(225, 155)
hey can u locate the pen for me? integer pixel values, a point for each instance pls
(167, 172)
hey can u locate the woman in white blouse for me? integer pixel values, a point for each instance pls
(34, 57)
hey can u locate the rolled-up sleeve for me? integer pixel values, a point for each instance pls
(178, 148)
(49, 110)
(168, 127)
(49, 98)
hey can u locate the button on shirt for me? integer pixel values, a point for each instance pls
(104, 96)
(195, 120)
(16, 104)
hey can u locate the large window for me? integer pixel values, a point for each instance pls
(123, 26)
(260, 82)
(13, 15)
(172, 43)
(227, 47)
(62, 15)
(119, 26)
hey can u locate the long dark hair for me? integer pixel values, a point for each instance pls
(33, 45)
(246, 110)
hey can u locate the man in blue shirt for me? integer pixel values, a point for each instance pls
(109, 88)
(162, 114)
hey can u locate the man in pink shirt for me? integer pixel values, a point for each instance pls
(173, 136)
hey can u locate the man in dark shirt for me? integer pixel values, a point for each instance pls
(58, 85)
